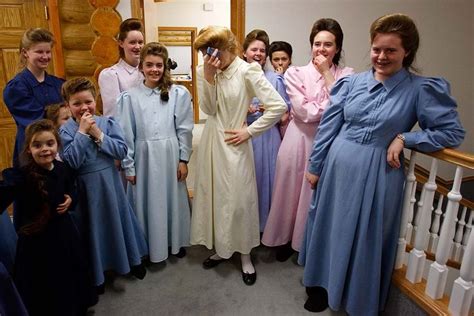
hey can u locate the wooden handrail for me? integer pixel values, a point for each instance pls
(453, 156)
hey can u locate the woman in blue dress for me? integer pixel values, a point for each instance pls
(265, 146)
(357, 164)
(91, 144)
(28, 93)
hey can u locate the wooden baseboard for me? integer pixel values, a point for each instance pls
(416, 292)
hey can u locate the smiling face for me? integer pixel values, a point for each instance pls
(280, 59)
(153, 67)
(132, 45)
(256, 52)
(387, 54)
(64, 115)
(80, 103)
(38, 56)
(324, 43)
(43, 148)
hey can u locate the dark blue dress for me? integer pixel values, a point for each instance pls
(354, 217)
(7, 241)
(50, 270)
(26, 99)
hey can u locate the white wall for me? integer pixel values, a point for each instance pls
(446, 29)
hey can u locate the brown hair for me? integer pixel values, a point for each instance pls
(35, 175)
(257, 35)
(333, 27)
(31, 37)
(51, 112)
(73, 86)
(280, 46)
(403, 26)
(158, 49)
(126, 26)
(217, 37)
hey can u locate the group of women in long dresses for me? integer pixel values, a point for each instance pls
(308, 159)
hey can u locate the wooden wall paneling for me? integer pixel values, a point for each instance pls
(237, 19)
(55, 28)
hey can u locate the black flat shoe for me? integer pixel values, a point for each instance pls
(249, 278)
(284, 252)
(211, 263)
(317, 299)
(181, 253)
(138, 271)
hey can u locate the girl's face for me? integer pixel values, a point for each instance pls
(132, 45)
(43, 148)
(64, 115)
(38, 56)
(280, 59)
(80, 103)
(387, 54)
(324, 43)
(153, 68)
(256, 52)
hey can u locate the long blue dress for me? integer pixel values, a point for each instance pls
(26, 99)
(8, 240)
(354, 217)
(265, 151)
(158, 135)
(116, 241)
(10, 300)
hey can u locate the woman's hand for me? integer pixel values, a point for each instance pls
(65, 205)
(312, 179)
(182, 171)
(211, 64)
(238, 136)
(131, 179)
(279, 70)
(252, 109)
(323, 66)
(393, 152)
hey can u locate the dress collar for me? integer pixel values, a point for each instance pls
(129, 68)
(149, 91)
(31, 79)
(317, 74)
(231, 69)
(390, 83)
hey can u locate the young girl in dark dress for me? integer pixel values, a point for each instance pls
(50, 270)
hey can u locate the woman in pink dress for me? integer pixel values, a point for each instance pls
(308, 88)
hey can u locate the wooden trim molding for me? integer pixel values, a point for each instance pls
(454, 156)
(237, 19)
(55, 28)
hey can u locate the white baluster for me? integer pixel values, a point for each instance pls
(419, 207)
(467, 232)
(463, 288)
(410, 214)
(438, 269)
(409, 183)
(435, 226)
(417, 258)
(458, 236)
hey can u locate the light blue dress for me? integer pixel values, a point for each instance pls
(265, 151)
(158, 135)
(115, 239)
(8, 240)
(354, 218)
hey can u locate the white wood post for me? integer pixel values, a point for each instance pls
(409, 233)
(463, 288)
(417, 258)
(457, 247)
(438, 269)
(409, 183)
(434, 236)
(419, 207)
(467, 232)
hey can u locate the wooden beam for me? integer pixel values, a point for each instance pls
(55, 28)
(237, 19)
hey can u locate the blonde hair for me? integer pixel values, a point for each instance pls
(217, 37)
(31, 37)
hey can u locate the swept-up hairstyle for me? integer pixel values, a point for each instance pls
(126, 26)
(280, 46)
(31, 37)
(217, 37)
(73, 86)
(257, 35)
(405, 28)
(158, 49)
(333, 27)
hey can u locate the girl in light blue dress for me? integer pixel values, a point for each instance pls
(357, 163)
(157, 118)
